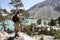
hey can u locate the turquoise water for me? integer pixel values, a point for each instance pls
(29, 21)
(47, 21)
(10, 24)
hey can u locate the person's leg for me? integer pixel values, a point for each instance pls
(19, 27)
(16, 34)
(16, 29)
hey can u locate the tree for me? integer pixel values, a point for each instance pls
(58, 19)
(52, 23)
(45, 23)
(3, 18)
(4, 10)
(3, 24)
(13, 11)
(39, 21)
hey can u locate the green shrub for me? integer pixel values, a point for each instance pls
(29, 30)
(58, 19)
(52, 22)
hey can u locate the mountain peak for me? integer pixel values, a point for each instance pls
(52, 3)
(45, 9)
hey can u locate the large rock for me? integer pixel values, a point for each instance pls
(22, 36)
(3, 35)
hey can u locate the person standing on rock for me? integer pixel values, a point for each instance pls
(16, 21)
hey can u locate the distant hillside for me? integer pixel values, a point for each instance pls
(46, 9)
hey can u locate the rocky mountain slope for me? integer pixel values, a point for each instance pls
(46, 10)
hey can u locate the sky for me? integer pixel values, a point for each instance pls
(4, 4)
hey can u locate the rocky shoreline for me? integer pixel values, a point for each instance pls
(23, 36)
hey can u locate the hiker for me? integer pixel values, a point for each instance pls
(16, 21)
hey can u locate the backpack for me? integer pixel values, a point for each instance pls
(15, 18)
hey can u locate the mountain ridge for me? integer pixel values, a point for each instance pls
(43, 9)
